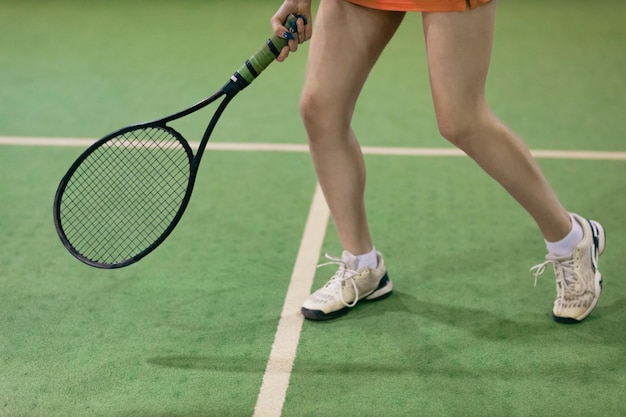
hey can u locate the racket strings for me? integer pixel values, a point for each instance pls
(123, 197)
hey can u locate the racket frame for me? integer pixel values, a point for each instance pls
(237, 82)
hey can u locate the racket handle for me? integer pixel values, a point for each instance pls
(262, 58)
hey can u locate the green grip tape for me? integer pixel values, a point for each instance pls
(265, 55)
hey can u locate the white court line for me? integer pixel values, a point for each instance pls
(278, 371)
(369, 150)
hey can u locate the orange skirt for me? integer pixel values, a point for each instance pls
(421, 5)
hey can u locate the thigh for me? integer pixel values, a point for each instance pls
(347, 40)
(458, 46)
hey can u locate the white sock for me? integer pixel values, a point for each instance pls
(567, 245)
(368, 260)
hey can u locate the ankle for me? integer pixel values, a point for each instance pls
(566, 245)
(367, 260)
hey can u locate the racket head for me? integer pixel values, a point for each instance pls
(124, 195)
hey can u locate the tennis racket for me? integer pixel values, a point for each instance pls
(126, 193)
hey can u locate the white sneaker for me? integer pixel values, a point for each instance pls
(578, 280)
(347, 287)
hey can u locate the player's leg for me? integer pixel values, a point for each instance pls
(459, 49)
(346, 42)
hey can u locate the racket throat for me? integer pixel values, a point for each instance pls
(235, 84)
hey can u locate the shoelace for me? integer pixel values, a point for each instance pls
(565, 274)
(343, 274)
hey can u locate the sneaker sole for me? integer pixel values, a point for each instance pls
(384, 289)
(600, 235)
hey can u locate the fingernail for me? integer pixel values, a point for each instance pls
(289, 36)
(303, 17)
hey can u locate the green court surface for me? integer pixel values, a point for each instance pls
(189, 331)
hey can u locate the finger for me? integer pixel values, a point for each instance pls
(277, 21)
(292, 41)
(303, 17)
(304, 28)
(293, 45)
(301, 29)
(284, 53)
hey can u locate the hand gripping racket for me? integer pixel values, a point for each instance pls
(125, 194)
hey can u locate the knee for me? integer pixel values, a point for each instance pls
(455, 130)
(461, 129)
(311, 109)
(322, 117)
